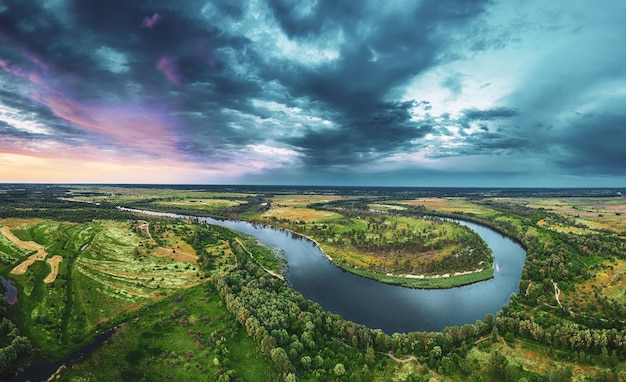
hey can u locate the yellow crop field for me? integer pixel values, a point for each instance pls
(299, 214)
(450, 205)
(302, 200)
(607, 213)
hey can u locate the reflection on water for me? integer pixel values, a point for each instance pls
(10, 291)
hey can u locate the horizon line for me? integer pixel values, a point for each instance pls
(307, 186)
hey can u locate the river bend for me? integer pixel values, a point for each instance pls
(388, 307)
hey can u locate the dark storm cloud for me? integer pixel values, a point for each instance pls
(138, 52)
(385, 130)
(70, 44)
(397, 47)
(7, 130)
(79, 44)
(21, 109)
(498, 114)
(596, 145)
(489, 114)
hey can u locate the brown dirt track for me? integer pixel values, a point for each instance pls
(54, 264)
(28, 245)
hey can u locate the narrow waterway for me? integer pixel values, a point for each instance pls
(43, 370)
(10, 291)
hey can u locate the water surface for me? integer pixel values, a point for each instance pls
(10, 290)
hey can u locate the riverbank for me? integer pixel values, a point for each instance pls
(444, 281)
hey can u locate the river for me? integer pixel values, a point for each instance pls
(387, 307)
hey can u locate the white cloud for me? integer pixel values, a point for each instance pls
(21, 121)
(112, 59)
(272, 156)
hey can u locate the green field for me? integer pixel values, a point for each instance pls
(100, 279)
(188, 336)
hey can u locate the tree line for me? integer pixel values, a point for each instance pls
(12, 344)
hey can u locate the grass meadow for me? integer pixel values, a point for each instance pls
(189, 336)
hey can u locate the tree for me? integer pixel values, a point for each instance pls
(305, 361)
(498, 363)
(281, 360)
(489, 321)
(436, 353)
(494, 334)
(339, 370)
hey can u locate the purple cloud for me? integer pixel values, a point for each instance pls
(150, 22)
(169, 66)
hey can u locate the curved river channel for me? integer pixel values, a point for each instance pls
(387, 307)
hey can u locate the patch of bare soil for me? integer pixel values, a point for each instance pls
(28, 245)
(144, 226)
(23, 267)
(54, 265)
(177, 255)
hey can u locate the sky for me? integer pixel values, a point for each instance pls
(383, 93)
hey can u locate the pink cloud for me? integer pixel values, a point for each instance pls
(12, 69)
(123, 130)
(34, 58)
(150, 22)
(35, 77)
(169, 66)
(133, 128)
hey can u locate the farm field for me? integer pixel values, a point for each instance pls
(449, 205)
(607, 213)
(126, 195)
(299, 214)
(199, 203)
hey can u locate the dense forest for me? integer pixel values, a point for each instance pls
(12, 344)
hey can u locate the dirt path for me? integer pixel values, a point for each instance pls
(27, 245)
(278, 276)
(401, 360)
(54, 264)
(528, 287)
(145, 227)
(443, 276)
(557, 292)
